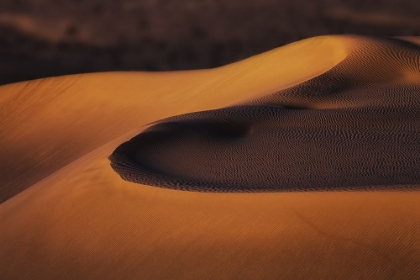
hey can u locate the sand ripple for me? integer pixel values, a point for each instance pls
(356, 126)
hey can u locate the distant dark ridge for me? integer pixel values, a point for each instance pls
(158, 36)
(26, 57)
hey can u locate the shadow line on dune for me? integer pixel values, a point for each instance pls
(355, 127)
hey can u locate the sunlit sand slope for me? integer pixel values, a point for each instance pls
(323, 114)
(46, 124)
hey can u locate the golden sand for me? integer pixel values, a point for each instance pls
(67, 214)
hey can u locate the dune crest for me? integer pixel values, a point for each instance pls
(64, 118)
(355, 127)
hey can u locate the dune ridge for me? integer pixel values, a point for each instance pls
(91, 110)
(353, 127)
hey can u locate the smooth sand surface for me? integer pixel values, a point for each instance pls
(327, 113)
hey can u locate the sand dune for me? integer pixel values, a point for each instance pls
(336, 116)
(80, 113)
(345, 129)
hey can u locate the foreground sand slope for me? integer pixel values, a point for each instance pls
(78, 219)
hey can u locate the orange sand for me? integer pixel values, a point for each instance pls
(67, 214)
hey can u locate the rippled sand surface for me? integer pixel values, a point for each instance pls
(299, 163)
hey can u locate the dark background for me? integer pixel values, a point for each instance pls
(40, 38)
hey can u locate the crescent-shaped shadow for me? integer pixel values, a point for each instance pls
(356, 127)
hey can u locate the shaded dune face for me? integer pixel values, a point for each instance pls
(354, 127)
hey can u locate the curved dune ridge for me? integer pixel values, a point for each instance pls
(355, 127)
(65, 118)
(325, 113)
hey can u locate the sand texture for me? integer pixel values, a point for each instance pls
(299, 163)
